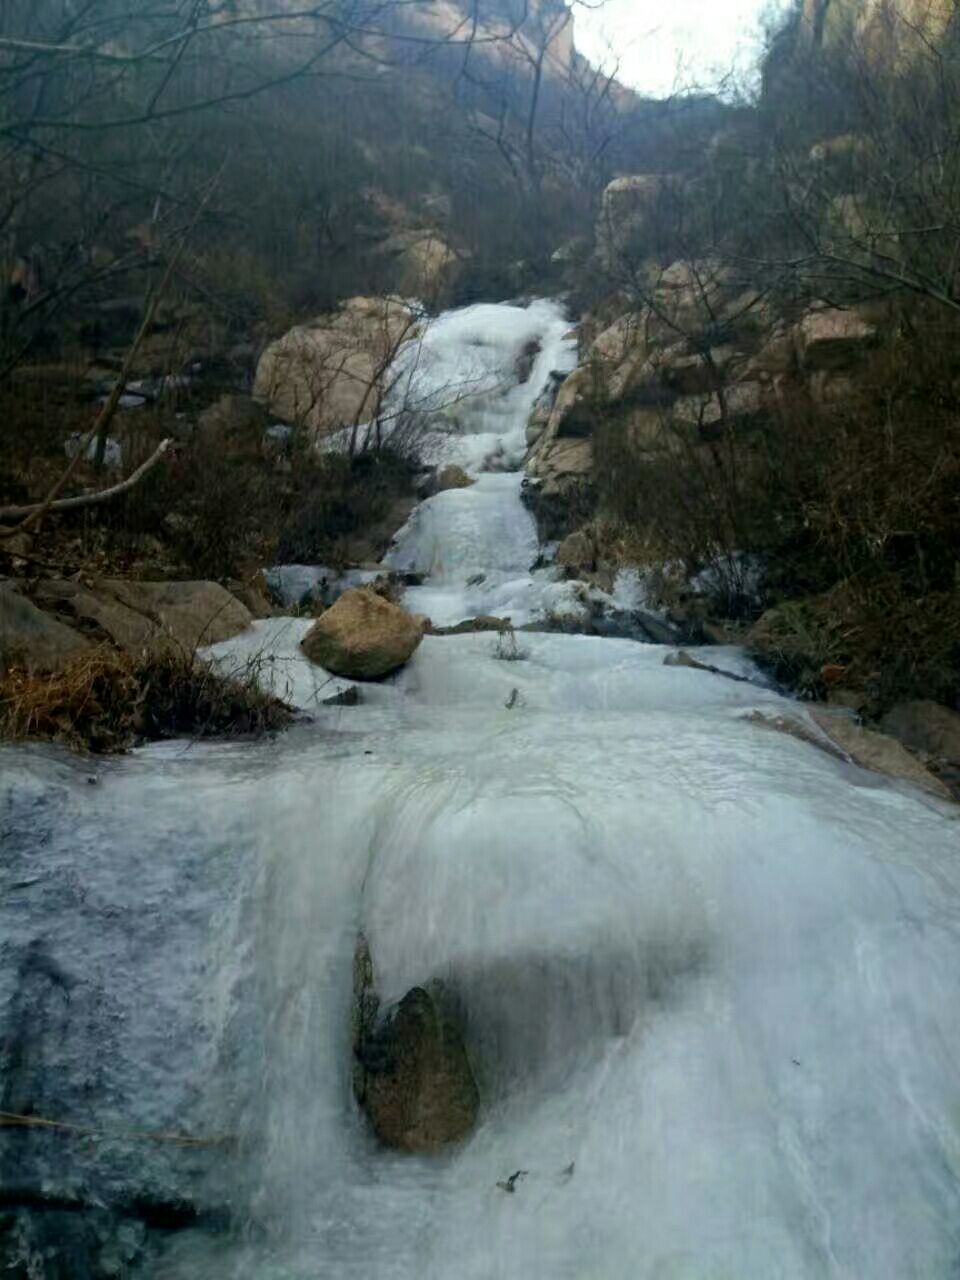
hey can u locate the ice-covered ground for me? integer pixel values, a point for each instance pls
(711, 975)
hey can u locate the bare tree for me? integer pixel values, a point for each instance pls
(863, 176)
(101, 106)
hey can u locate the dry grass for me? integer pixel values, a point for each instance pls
(107, 701)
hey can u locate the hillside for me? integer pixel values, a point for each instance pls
(479, 648)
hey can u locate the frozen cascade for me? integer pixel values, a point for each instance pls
(479, 544)
(709, 974)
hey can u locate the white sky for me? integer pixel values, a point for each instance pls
(665, 44)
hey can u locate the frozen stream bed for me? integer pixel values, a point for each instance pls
(710, 974)
(710, 967)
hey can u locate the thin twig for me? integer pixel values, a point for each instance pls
(11, 1119)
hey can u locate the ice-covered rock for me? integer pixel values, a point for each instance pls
(416, 1084)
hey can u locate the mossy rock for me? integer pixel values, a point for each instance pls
(415, 1079)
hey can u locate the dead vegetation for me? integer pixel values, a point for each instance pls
(107, 701)
(852, 507)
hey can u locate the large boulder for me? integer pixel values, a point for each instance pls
(32, 639)
(636, 213)
(453, 477)
(573, 412)
(690, 295)
(830, 338)
(569, 413)
(363, 636)
(621, 353)
(329, 373)
(190, 614)
(415, 1082)
(147, 617)
(424, 261)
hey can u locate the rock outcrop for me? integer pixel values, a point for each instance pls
(33, 640)
(424, 263)
(877, 751)
(577, 552)
(363, 637)
(329, 374)
(146, 617)
(830, 338)
(926, 726)
(65, 618)
(894, 35)
(633, 208)
(704, 352)
(452, 477)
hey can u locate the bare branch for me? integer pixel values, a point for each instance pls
(83, 500)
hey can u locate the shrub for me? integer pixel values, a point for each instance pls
(339, 497)
(108, 701)
(853, 507)
(505, 647)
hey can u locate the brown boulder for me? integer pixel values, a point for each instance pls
(254, 595)
(423, 260)
(577, 551)
(189, 614)
(147, 616)
(328, 374)
(621, 354)
(573, 411)
(561, 460)
(453, 477)
(417, 1086)
(363, 637)
(830, 337)
(32, 639)
(96, 613)
(634, 209)
(689, 295)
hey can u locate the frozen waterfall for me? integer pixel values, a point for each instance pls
(710, 976)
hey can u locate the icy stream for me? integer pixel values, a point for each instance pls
(711, 975)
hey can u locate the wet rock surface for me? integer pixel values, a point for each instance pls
(417, 1085)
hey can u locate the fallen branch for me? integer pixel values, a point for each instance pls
(12, 1119)
(85, 499)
